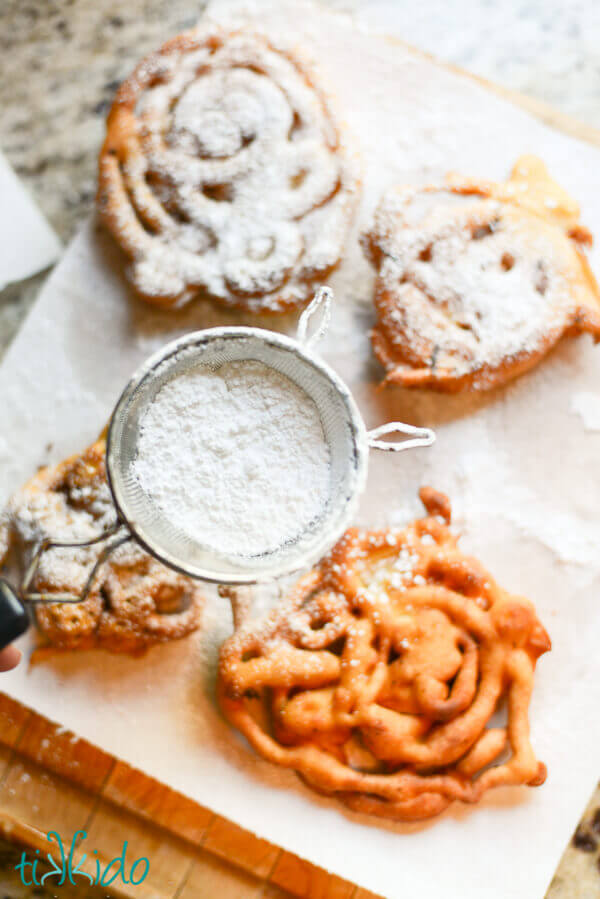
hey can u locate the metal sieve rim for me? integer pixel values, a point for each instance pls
(357, 462)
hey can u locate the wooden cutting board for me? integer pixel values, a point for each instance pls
(50, 780)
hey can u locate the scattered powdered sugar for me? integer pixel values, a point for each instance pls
(35, 515)
(587, 405)
(529, 502)
(395, 571)
(47, 509)
(236, 457)
(235, 179)
(474, 280)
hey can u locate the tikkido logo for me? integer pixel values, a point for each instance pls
(67, 871)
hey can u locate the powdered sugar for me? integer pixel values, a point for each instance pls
(394, 572)
(235, 457)
(234, 179)
(34, 515)
(587, 405)
(470, 282)
(56, 506)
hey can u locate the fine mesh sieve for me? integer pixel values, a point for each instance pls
(343, 428)
(141, 519)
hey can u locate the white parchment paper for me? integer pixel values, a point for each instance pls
(27, 242)
(520, 465)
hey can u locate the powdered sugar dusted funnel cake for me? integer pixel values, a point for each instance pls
(234, 455)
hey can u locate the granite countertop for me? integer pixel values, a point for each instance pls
(67, 57)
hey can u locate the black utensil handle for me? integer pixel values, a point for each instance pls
(14, 618)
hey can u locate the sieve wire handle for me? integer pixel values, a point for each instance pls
(321, 301)
(113, 536)
(14, 616)
(417, 437)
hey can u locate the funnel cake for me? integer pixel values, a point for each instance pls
(134, 602)
(377, 679)
(476, 281)
(224, 173)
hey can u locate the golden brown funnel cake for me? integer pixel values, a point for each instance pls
(135, 601)
(476, 281)
(223, 173)
(377, 678)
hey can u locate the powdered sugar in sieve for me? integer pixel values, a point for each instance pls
(235, 455)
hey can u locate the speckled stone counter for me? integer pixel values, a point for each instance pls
(63, 59)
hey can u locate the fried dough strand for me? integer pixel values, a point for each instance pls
(376, 679)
